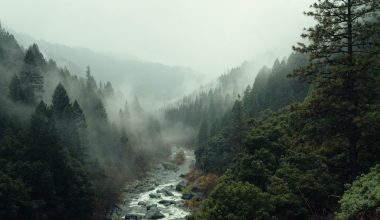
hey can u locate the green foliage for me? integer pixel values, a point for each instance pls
(343, 65)
(213, 103)
(15, 89)
(236, 200)
(362, 199)
(55, 158)
(297, 185)
(273, 90)
(31, 78)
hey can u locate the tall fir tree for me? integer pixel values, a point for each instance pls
(31, 78)
(237, 126)
(15, 90)
(66, 123)
(343, 68)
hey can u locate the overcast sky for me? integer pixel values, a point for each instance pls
(209, 36)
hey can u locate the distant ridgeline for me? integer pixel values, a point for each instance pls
(271, 90)
(61, 156)
(290, 149)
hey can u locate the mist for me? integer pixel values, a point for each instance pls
(207, 36)
(188, 109)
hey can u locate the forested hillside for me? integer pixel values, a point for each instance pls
(211, 108)
(155, 83)
(62, 157)
(301, 142)
(295, 140)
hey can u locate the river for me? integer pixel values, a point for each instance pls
(156, 196)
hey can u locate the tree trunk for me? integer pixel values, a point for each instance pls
(353, 133)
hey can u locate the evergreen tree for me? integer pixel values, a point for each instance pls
(90, 82)
(81, 127)
(137, 106)
(100, 111)
(108, 89)
(31, 78)
(246, 101)
(203, 134)
(61, 102)
(15, 90)
(200, 152)
(237, 125)
(342, 69)
(66, 122)
(34, 57)
(44, 145)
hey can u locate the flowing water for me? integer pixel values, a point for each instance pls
(157, 192)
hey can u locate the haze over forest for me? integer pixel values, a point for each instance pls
(207, 36)
(202, 109)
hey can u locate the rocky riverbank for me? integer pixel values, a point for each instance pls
(159, 195)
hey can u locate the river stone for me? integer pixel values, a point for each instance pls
(151, 206)
(142, 203)
(167, 202)
(155, 196)
(180, 186)
(133, 216)
(154, 213)
(165, 192)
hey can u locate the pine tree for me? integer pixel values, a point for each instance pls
(108, 89)
(100, 111)
(90, 82)
(81, 127)
(137, 106)
(66, 122)
(203, 133)
(61, 102)
(15, 89)
(32, 82)
(237, 123)
(246, 99)
(34, 57)
(44, 145)
(343, 62)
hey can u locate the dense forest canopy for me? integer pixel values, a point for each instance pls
(294, 140)
(62, 154)
(291, 149)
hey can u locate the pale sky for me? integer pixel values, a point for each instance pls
(209, 36)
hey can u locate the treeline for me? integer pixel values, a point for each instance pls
(209, 102)
(62, 157)
(271, 90)
(291, 150)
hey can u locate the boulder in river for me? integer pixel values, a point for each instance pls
(180, 186)
(154, 213)
(151, 206)
(167, 202)
(165, 192)
(133, 216)
(142, 203)
(155, 196)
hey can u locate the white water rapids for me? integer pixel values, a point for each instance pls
(139, 196)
